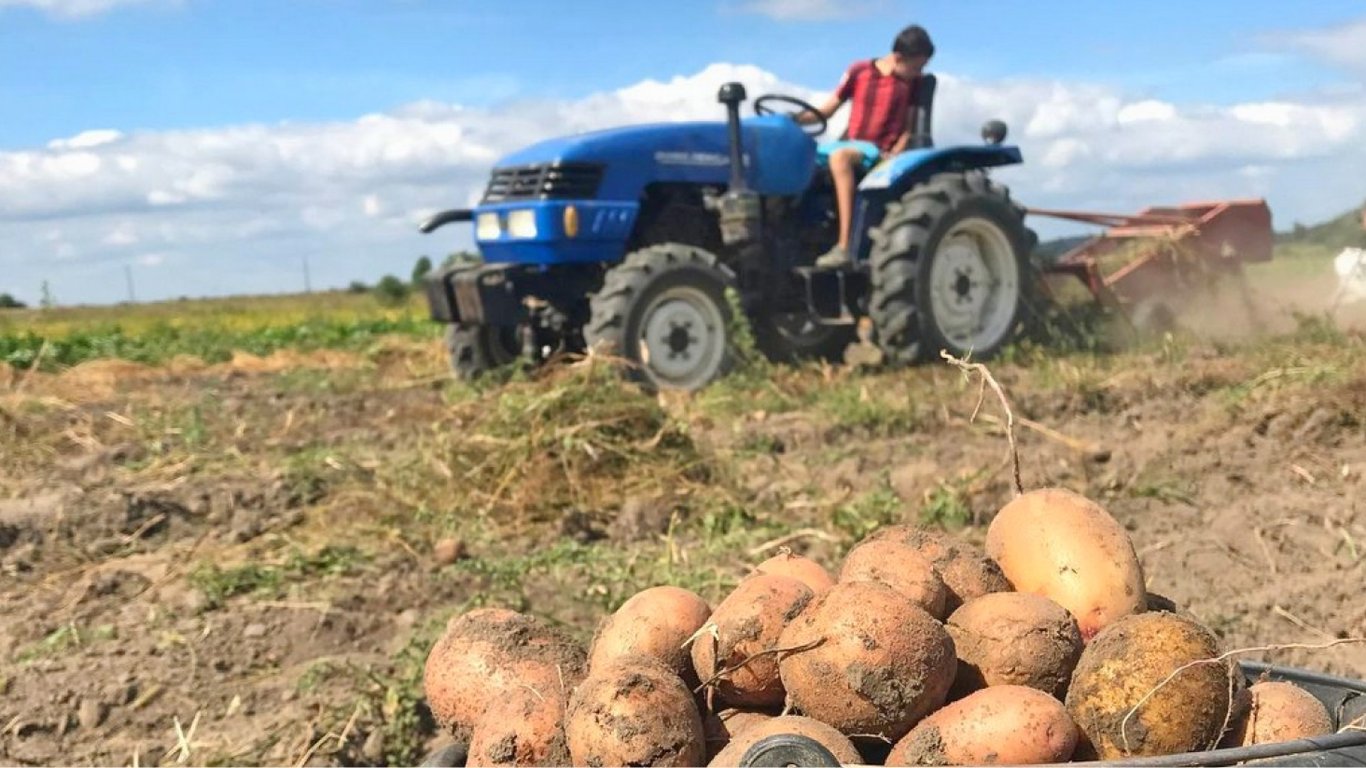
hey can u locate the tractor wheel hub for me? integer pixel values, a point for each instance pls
(974, 283)
(682, 336)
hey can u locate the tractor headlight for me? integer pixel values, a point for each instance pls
(522, 224)
(487, 226)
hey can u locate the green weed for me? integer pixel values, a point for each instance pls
(868, 512)
(220, 584)
(946, 508)
(64, 639)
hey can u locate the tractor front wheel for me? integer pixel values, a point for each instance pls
(478, 349)
(951, 270)
(663, 309)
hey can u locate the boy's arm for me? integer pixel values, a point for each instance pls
(827, 109)
(832, 104)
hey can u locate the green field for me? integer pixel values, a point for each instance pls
(213, 329)
(208, 329)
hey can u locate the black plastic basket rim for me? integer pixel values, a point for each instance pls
(1345, 700)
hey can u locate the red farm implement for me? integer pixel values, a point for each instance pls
(1148, 265)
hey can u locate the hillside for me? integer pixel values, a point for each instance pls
(1341, 231)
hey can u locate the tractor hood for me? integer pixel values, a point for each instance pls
(779, 156)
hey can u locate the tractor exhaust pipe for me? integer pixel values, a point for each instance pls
(732, 95)
(738, 208)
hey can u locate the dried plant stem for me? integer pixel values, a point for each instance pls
(989, 380)
(783, 541)
(754, 657)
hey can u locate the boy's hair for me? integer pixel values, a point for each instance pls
(913, 41)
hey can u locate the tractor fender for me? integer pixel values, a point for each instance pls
(911, 167)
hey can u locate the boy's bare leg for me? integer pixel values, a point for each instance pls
(842, 165)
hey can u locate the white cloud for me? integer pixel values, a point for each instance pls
(808, 10)
(122, 234)
(75, 9)
(372, 206)
(85, 139)
(1344, 45)
(239, 205)
(1140, 111)
(152, 259)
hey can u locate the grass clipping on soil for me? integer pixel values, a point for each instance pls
(577, 438)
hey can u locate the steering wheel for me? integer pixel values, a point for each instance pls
(761, 108)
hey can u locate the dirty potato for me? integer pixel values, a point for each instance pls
(1150, 684)
(634, 711)
(874, 663)
(1011, 638)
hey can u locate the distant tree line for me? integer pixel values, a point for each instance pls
(393, 290)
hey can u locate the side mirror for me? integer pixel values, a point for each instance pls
(994, 132)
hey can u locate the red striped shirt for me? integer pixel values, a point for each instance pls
(878, 104)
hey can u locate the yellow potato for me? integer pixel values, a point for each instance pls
(1006, 725)
(803, 569)
(525, 728)
(654, 622)
(965, 570)
(900, 567)
(634, 711)
(489, 653)
(874, 663)
(749, 622)
(1011, 638)
(1277, 711)
(1150, 684)
(1061, 545)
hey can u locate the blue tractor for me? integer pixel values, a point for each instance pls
(628, 241)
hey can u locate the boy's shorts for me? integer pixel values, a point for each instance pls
(871, 153)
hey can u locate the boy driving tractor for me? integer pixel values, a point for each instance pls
(881, 92)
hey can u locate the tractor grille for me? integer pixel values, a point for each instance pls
(544, 182)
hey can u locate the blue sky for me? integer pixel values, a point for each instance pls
(174, 81)
(210, 62)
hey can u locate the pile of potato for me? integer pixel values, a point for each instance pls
(922, 650)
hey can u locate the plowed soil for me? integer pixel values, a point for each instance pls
(239, 565)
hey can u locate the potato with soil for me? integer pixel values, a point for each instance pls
(875, 662)
(1061, 545)
(523, 729)
(489, 653)
(839, 745)
(1012, 638)
(1272, 712)
(1149, 684)
(748, 622)
(654, 622)
(1005, 725)
(900, 567)
(965, 570)
(634, 711)
(722, 727)
(803, 569)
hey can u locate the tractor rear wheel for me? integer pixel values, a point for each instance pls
(478, 349)
(951, 270)
(663, 309)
